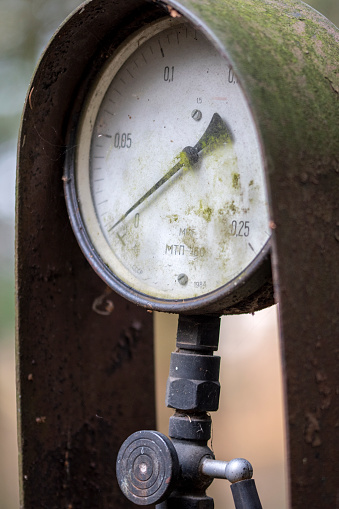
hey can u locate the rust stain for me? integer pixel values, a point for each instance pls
(173, 13)
(312, 430)
(40, 420)
(30, 98)
(102, 305)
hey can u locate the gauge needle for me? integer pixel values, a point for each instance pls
(215, 134)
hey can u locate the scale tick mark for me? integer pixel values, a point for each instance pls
(162, 51)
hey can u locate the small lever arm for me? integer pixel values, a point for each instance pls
(239, 472)
(245, 495)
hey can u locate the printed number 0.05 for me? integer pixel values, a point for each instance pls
(123, 140)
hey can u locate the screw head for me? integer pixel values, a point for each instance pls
(182, 279)
(196, 115)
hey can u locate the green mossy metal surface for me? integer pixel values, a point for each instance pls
(285, 56)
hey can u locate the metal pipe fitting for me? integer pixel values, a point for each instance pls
(238, 469)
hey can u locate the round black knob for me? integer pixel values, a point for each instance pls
(147, 467)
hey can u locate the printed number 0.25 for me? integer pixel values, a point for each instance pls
(240, 228)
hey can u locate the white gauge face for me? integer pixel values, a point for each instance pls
(168, 222)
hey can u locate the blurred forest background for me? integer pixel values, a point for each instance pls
(250, 420)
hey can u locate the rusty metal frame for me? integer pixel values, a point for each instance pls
(85, 357)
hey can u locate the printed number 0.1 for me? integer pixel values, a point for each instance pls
(169, 73)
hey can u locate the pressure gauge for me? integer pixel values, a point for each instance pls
(168, 199)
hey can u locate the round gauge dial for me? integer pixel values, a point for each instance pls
(168, 169)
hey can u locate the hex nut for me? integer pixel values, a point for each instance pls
(187, 394)
(198, 333)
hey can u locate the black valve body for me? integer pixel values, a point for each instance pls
(193, 389)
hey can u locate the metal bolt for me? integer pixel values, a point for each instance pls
(196, 115)
(183, 279)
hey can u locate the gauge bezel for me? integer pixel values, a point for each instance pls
(240, 288)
